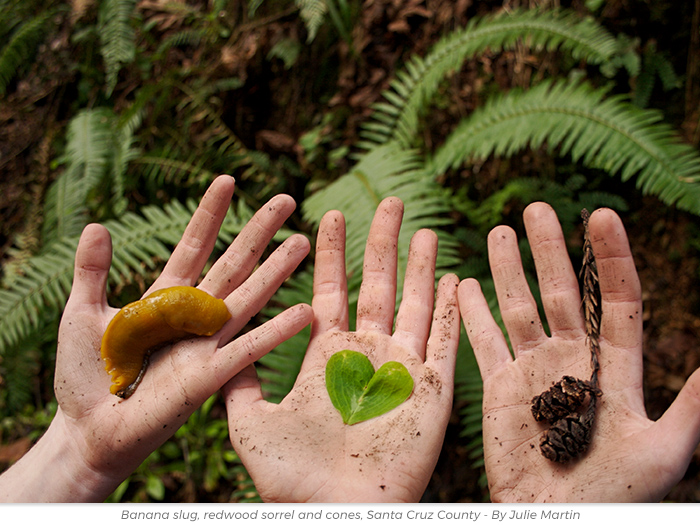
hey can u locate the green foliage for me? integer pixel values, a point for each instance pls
(568, 200)
(358, 392)
(606, 134)
(139, 242)
(22, 43)
(415, 86)
(313, 13)
(117, 36)
(89, 150)
(199, 456)
(655, 67)
(155, 112)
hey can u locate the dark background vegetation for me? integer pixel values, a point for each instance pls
(256, 90)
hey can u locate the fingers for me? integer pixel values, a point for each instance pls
(558, 283)
(620, 289)
(237, 263)
(485, 336)
(330, 289)
(241, 393)
(677, 432)
(192, 252)
(377, 300)
(416, 309)
(251, 346)
(621, 303)
(518, 307)
(251, 296)
(92, 262)
(441, 350)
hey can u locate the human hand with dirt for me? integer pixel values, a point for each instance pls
(300, 450)
(630, 458)
(97, 439)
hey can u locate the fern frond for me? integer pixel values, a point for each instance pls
(117, 37)
(608, 134)
(397, 118)
(186, 37)
(222, 138)
(90, 147)
(654, 65)
(19, 369)
(22, 46)
(163, 168)
(138, 243)
(312, 12)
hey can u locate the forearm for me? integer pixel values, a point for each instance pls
(54, 470)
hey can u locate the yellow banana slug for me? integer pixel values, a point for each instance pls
(161, 318)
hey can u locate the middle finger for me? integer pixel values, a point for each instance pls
(377, 299)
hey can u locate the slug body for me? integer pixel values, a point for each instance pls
(161, 318)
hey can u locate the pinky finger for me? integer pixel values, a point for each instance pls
(251, 346)
(487, 339)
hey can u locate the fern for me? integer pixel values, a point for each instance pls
(22, 46)
(186, 37)
(488, 212)
(654, 65)
(222, 140)
(117, 37)
(137, 243)
(608, 134)
(90, 148)
(385, 171)
(411, 91)
(312, 12)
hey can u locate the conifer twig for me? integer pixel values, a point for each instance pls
(591, 302)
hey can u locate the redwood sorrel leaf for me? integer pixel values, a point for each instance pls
(358, 392)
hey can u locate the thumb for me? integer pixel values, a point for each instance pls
(92, 262)
(678, 430)
(241, 392)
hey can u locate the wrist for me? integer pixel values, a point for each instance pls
(55, 470)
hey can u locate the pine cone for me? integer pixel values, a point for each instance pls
(562, 399)
(566, 439)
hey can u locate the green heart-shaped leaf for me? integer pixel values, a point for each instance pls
(360, 393)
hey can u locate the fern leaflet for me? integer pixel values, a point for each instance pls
(22, 46)
(117, 36)
(410, 93)
(608, 134)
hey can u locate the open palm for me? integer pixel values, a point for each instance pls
(630, 458)
(300, 450)
(98, 439)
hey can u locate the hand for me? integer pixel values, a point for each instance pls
(300, 450)
(630, 457)
(97, 439)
